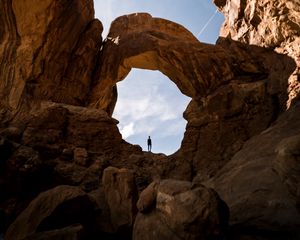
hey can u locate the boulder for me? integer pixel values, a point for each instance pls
(121, 196)
(69, 173)
(260, 183)
(56, 208)
(147, 198)
(182, 210)
(102, 221)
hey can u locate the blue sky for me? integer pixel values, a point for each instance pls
(148, 102)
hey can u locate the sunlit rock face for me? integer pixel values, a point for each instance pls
(271, 23)
(141, 41)
(47, 51)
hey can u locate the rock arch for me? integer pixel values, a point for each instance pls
(232, 85)
(141, 41)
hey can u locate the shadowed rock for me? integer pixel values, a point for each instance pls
(180, 210)
(72, 232)
(121, 194)
(260, 183)
(56, 208)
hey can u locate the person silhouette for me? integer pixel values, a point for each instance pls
(149, 142)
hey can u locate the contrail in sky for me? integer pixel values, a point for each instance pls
(206, 24)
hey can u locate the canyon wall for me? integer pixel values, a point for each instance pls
(58, 92)
(47, 52)
(270, 24)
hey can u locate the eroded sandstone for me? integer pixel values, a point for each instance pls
(237, 90)
(180, 210)
(45, 49)
(58, 91)
(47, 211)
(271, 24)
(258, 178)
(141, 41)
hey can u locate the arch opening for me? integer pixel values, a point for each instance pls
(150, 104)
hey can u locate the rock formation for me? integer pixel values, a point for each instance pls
(269, 23)
(175, 209)
(264, 177)
(121, 194)
(58, 91)
(158, 45)
(56, 207)
(212, 76)
(47, 52)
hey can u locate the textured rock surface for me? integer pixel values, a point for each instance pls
(121, 196)
(181, 211)
(261, 182)
(58, 206)
(158, 45)
(47, 52)
(147, 198)
(212, 75)
(271, 23)
(237, 89)
(52, 52)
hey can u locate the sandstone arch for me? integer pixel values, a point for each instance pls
(141, 41)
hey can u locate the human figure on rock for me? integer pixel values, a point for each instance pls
(149, 142)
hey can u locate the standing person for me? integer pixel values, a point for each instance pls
(149, 142)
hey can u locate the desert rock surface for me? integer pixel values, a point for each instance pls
(63, 159)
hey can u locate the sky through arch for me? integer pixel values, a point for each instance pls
(149, 103)
(198, 16)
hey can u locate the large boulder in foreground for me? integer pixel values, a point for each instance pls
(54, 209)
(121, 195)
(175, 209)
(261, 182)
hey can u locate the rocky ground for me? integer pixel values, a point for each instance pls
(66, 172)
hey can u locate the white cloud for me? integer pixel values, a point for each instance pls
(149, 104)
(143, 106)
(127, 130)
(153, 96)
(174, 128)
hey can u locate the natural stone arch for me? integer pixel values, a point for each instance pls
(141, 41)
